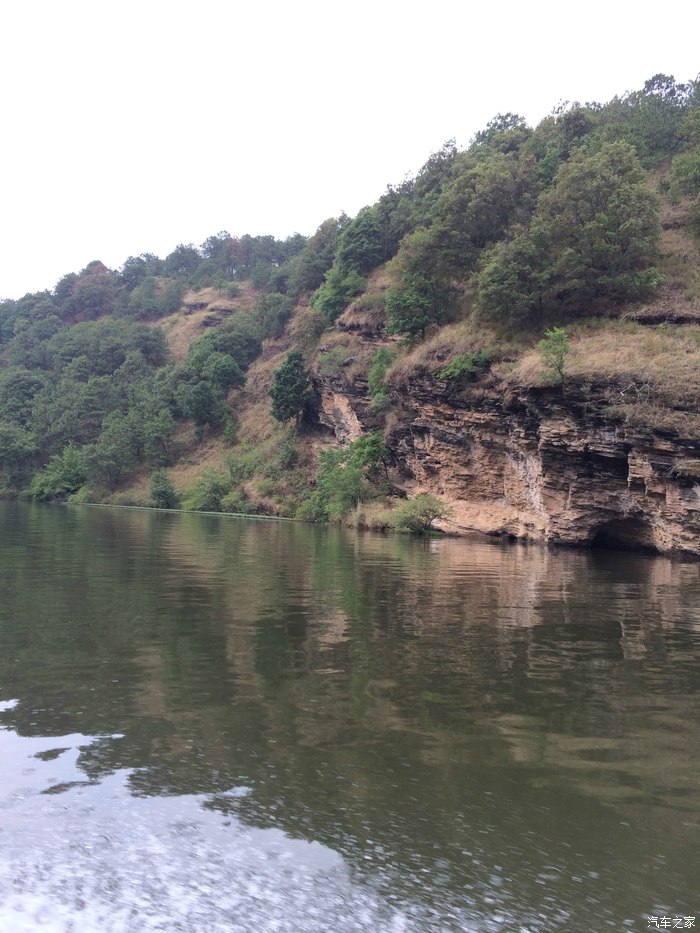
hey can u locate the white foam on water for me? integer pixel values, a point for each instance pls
(97, 858)
(86, 856)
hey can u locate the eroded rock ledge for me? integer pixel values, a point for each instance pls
(541, 464)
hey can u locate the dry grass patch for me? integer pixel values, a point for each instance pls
(651, 367)
(671, 304)
(216, 299)
(306, 326)
(365, 314)
(184, 326)
(659, 419)
(352, 342)
(431, 355)
(210, 454)
(251, 404)
(181, 330)
(346, 354)
(134, 492)
(690, 469)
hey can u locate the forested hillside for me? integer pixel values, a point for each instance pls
(197, 380)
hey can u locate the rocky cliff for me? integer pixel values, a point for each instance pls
(548, 464)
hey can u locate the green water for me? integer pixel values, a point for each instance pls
(211, 724)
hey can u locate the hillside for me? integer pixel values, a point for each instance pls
(508, 342)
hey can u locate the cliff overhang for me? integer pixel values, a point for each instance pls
(553, 464)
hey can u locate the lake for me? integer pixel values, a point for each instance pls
(218, 724)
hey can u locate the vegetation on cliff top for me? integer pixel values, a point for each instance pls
(176, 380)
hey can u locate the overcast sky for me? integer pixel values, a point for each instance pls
(131, 127)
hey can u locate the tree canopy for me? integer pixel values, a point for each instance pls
(290, 388)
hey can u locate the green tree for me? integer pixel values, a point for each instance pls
(513, 285)
(315, 258)
(592, 242)
(183, 260)
(685, 182)
(64, 474)
(162, 491)
(685, 174)
(114, 454)
(290, 388)
(343, 478)
(424, 290)
(17, 449)
(476, 209)
(169, 298)
(154, 427)
(223, 372)
(657, 113)
(94, 293)
(412, 309)
(340, 483)
(141, 301)
(506, 131)
(601, 222)
(136, 268)
(269, 315)
(554, 349)
(360, 243)
(338, 290)
(18, 389)
(369, 452)
(200, 403)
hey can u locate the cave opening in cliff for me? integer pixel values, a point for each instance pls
(625, 534)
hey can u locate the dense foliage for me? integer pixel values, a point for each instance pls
(290, 388)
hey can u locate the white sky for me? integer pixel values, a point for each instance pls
(131, 127)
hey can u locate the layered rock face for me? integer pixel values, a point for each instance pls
(541, 464)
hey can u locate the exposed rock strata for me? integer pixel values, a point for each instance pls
(538, 464)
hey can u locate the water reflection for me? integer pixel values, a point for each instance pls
(486, 734)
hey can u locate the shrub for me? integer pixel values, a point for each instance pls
(241, 467)
(381, 361)
(312, 509)
(332, 361)
(342, 481)
(162, 491)
(416, 516)
(266, 487)
(207, 493)
(236, 501)
(230, 432)
(287, 454)
(63, 475)
(87, 495)
(465, 365)
(554, 350)
(337, 292)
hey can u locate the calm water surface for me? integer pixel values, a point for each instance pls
(211, 724)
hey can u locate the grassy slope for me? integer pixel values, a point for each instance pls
(259, 436)
(649, 353)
